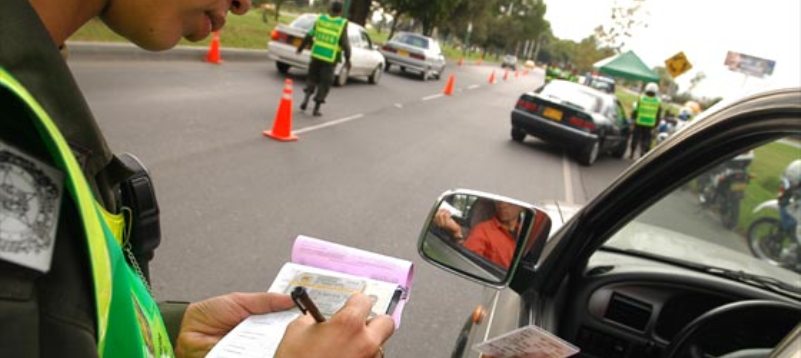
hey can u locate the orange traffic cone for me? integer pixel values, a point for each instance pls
(449, 86)
(213, 56)
(506, 75)
(492, 78)
(282, 125)
(461, 62)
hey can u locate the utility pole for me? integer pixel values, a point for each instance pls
(467, 38)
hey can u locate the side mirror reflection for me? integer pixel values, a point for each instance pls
(481, 236)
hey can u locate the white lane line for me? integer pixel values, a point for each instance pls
(328, 124)
(398, 105)
(568, 180)
(472, 87)
(433, 96)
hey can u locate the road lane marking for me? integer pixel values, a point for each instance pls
(472, 87)
(433, 96)
(568, 180)
(398, 105)
(328, 124)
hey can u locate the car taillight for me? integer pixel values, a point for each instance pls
(526, 105)
(389, 49)
(417, 56)
(274, 35)
(582, 123)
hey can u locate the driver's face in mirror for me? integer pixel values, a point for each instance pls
(486, 227)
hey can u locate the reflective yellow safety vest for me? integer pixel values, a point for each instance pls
(129, 323)
(326, 32)
(647, 109)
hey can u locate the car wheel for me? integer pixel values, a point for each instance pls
(403, 69)
(518, 135)
(376, 75)
(283, 68)
(589, 154)
(342, 78)
(424, 75)
(620, 151)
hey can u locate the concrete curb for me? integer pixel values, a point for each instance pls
(124, 51)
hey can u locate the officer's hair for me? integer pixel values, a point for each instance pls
(336, 7)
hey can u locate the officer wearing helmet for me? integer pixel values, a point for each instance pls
(646, 113)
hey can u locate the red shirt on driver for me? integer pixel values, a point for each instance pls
(491, 240)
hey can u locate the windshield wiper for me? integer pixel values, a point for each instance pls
(768, 283)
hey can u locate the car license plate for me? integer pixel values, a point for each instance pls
(403, 53)
(296, 41)
(552, 113)
(738, 186)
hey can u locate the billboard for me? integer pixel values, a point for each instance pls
(750, 65)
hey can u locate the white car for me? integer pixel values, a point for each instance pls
(284, 40)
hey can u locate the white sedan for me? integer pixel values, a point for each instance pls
(365, 59)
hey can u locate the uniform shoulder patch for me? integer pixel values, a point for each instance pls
(30, 200)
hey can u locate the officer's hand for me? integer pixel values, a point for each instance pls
(206, 322)
(347, 334)
(347, 65)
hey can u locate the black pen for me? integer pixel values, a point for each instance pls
(305, 304)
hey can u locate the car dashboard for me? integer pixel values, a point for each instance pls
(625, 306)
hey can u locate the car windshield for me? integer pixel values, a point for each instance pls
(572, 94)
(412, 40)
(304, 22)
(728, 217)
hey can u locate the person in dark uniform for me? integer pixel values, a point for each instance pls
(70, 284)
(329, 39)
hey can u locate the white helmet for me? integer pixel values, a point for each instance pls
(652, 88)
(793, 173)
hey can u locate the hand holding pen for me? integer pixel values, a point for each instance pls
(347, 334)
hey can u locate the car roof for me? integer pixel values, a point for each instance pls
(585, 88)
(414, 34)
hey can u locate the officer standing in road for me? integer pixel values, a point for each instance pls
(71, 282)
(330, 41)
(645, 114)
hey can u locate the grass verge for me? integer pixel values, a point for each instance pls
(766, 169)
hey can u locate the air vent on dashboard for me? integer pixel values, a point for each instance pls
(628, 312)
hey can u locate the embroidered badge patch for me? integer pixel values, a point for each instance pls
(30, 199)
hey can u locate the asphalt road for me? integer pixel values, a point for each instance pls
(232, 201)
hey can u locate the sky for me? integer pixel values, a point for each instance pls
(705, 31)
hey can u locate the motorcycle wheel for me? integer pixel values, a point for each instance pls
(766, 240)
(730, 212)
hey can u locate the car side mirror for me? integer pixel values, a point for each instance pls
(482, 236)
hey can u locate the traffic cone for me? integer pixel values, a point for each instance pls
(505, 75)
(213, 56)
(449, 86)
(282, 125)
(461, 62)
(492, 78)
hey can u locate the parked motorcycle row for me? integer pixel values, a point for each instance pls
(775, 234)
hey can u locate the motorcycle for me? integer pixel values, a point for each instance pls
(770, 241)
(669, 126)
(724, 187)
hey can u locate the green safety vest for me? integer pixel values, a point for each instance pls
(647, 109)
(128, 320)
(326, 32)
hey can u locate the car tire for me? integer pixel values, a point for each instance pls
(376, 75)
(518, 135)
(403, 69)
(620, 151)
(341, 79)
(424, 75)
(589, 154)
(282, 68)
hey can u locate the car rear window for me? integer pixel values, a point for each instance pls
(304, 22)
(572, 94)
(412, 40)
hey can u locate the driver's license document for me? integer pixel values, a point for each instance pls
(527, 342)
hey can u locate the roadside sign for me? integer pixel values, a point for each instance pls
(678, 64)
(749, 65)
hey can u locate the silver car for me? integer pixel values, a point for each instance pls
(285, 39)
(415, 52)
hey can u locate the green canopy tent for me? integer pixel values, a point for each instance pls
(627, 66)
